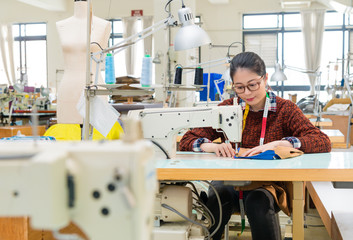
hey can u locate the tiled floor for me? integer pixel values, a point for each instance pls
(315, 229)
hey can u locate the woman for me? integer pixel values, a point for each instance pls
(269, 121)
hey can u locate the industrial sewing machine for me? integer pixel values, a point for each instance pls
(163, 124)
(106, 188)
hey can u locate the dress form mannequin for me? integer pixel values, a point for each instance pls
(72, 34)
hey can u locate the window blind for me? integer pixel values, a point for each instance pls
(265, 45)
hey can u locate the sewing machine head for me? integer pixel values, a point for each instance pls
(164, 124)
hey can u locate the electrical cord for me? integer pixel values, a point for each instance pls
(165, 8)
(199, 201)
(188, 219)
(201, 211)
(219, 206)
(195, 190)
(207, 211)
(243, 47)
(160, 147)
(97, 44)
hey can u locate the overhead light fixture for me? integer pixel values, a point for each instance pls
(219, 1)
(295, 4)
(278, 75)
(339, 6)
(189, 35)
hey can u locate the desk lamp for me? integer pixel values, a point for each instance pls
(156, 59)
(313, 98)
(189, 36)
(278, 75)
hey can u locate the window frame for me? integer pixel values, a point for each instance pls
(344, 28)
(22, 41)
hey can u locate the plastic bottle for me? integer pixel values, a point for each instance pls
(109, 69)
(146, 73)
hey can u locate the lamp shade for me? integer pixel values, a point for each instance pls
(226, 76)
(278, 75)
(156, 59)
(189, 35)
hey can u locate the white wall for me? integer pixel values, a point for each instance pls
(222, 22)
(12, 11)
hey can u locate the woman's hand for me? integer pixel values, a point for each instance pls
(265, 147)
(223, 149)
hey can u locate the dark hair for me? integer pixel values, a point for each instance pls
(248, 60)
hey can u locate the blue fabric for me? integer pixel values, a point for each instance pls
(27, 138)
(267, 155)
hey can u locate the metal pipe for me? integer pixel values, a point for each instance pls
(88, 73)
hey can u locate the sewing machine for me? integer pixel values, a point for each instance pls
(163, 124)
(168, 224)
(106, 188)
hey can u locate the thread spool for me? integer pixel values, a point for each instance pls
(198, 76)
(109, 69)
(146, 73)
(178, 76)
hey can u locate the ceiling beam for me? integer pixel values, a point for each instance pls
(219, 1)
(51, 5)
(343, 6)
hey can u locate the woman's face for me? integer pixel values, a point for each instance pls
(250, 87)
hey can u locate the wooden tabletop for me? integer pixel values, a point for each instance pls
(322, 122)
(335, 135)
(334, 166)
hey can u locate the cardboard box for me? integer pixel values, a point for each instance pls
(10, 131)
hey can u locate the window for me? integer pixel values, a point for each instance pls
(290, 47)
(115, 37)
(263, 44)
(30, 53)
(119, 59)
(261, 21)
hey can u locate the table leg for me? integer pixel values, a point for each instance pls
(298, 210)
(14, 228)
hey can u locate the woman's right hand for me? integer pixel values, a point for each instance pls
(221, 150)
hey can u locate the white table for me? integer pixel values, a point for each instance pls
(334, 166)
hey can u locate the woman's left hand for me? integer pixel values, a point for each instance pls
(265, 147)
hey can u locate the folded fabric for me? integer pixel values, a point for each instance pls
(279, 152)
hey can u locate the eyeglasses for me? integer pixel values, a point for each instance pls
(251, 87)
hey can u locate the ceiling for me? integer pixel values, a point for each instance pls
(338, 5)
(219, 1)
(52, 5)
